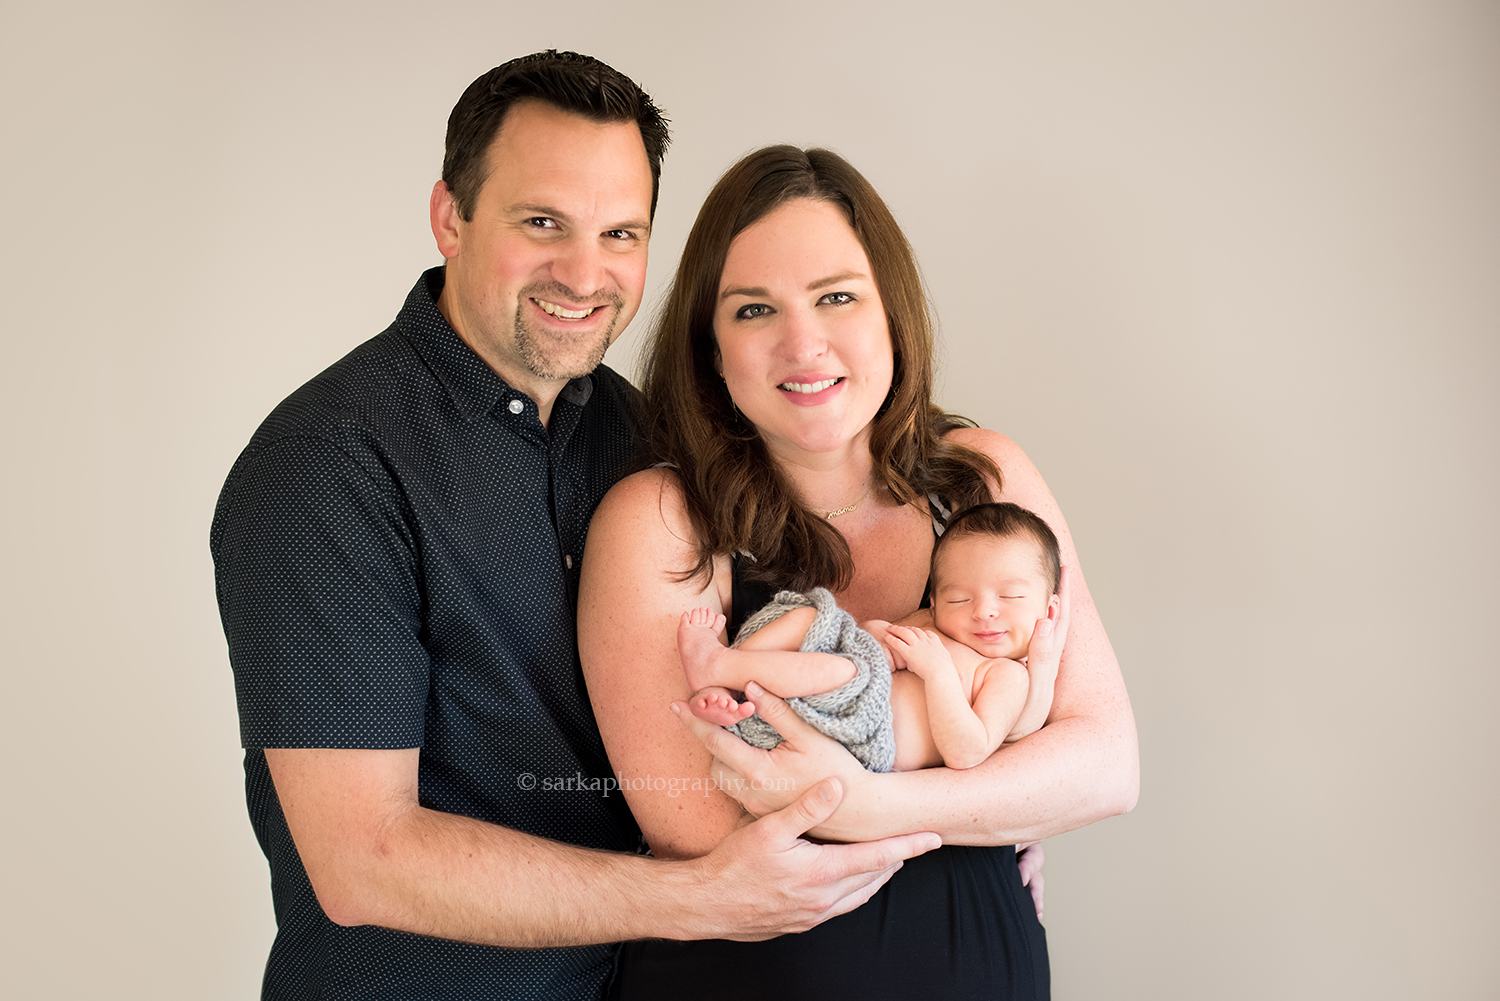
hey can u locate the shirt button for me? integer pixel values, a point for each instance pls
(516, 406)
(568, 561)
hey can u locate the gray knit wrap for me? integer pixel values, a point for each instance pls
(857, 714)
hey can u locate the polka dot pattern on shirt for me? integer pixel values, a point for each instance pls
(397, 554)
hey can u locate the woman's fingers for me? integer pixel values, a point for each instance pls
(1064, 589)
(722, 744)
(774, 710)
(762, 781)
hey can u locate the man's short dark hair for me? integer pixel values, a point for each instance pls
(580, 85)
(1004, 521)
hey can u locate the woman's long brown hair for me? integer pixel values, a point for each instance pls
(736, 497)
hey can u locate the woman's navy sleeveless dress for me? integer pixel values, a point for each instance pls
(953, 923)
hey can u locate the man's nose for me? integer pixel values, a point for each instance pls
(579, 265)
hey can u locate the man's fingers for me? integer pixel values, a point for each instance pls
(1030, 859)
(872, 857)
(1035, 886)
(1029, 862)
(857, 890)
(810, 809)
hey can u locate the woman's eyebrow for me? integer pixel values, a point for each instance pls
(756, 290)
(842, 276)
(743, 290)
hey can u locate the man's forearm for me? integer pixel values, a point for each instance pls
(455, 877)
(376, 857)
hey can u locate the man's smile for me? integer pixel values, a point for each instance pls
(563, 313)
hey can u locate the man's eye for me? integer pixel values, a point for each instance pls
(836, 299)
(754, 311)
(542, 222)
(620, 234)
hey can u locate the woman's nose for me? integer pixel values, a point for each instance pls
(802, 338)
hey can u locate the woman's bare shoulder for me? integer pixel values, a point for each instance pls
(650, 501)
(992, 443)
(1021, 482)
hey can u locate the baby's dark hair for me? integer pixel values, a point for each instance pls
(1003, 521)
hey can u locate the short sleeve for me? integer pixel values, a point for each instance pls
(318, 589)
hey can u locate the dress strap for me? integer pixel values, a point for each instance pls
(940, 513)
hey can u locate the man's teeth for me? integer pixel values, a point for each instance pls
(566, 314)
(809, 387)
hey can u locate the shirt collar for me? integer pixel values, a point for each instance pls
(473, 385)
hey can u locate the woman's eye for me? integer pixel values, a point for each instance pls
(754, 311)
(836, 299)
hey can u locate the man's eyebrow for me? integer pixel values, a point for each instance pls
(530, 209)
(752, 291)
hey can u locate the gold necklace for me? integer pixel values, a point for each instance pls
(850, 507)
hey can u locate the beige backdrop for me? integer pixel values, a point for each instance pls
(1230, 272)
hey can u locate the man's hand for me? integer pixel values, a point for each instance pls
(1029, 859)
(375, 856)
(770, 881)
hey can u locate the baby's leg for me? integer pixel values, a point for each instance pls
(770, 657)
(719, 707)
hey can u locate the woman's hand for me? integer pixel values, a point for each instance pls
(765, 781)
(1044, 653)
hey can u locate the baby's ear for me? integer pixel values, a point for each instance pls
(1053, 607)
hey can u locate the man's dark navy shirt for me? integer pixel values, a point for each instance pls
(397, 554)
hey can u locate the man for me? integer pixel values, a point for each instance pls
(397, 556)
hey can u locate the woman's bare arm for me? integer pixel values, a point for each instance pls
(629, 607)
(1081, 767)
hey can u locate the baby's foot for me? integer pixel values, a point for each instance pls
(719, 707)
(698, 645)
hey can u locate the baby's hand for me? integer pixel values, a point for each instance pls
(920, 651)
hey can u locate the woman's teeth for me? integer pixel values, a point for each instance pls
(810, 387)
(564, 314)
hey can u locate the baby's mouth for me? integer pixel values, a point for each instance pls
(810, 387)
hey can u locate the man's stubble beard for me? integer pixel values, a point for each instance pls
(534, 349)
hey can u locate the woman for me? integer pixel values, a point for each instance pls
(789, 394)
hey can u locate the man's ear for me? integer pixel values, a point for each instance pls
(446, 222)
